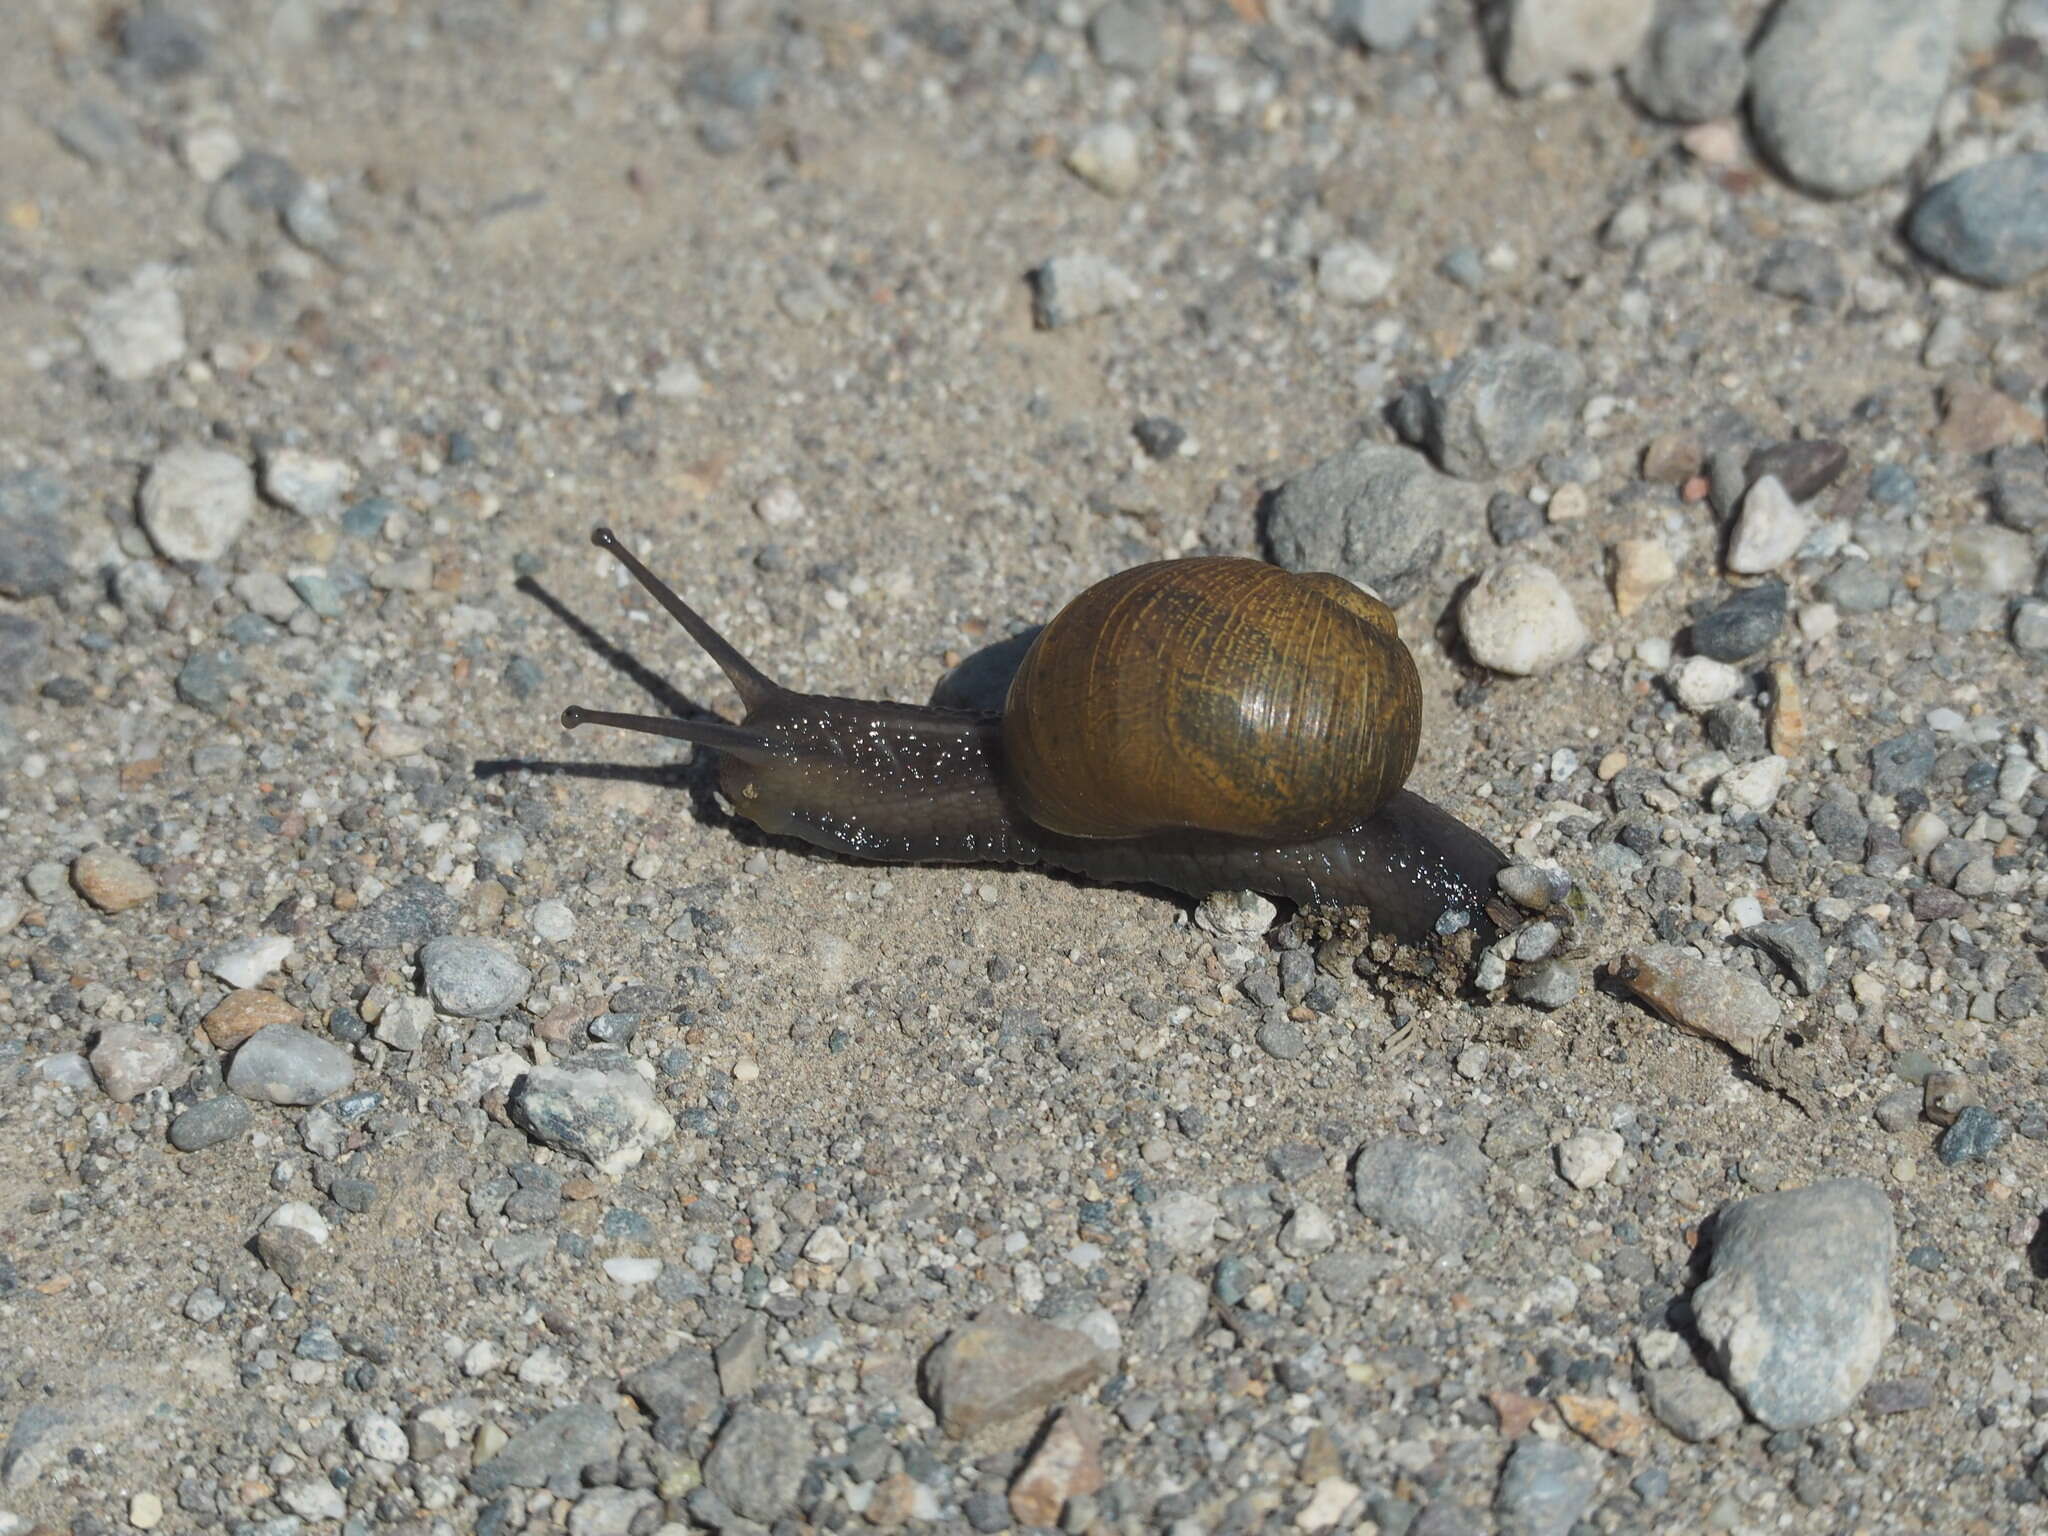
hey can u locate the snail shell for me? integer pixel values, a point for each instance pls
(1214, 695)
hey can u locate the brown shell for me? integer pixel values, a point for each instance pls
(1219, 695)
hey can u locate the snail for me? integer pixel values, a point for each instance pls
(1206, 724)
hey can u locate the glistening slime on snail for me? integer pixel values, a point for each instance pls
(1203, 724)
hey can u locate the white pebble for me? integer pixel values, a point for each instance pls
(1110, 158)
(307, 483)
(632, 1271)
(1588, 1157)
(1519, 619)
(1756, 784)
(553, 921)
(247, 963)
(778, 505)
(196, 502)
(1353, 273)
(1768, 530)
(139, 328)
(1700, 682)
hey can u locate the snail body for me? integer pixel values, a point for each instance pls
(1202, 724)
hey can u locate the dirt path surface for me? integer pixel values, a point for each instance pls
(414, 1118)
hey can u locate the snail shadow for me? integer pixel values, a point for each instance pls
(696, 776)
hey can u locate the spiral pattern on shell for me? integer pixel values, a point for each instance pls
(1220, 695)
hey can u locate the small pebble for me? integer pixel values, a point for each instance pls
(1079, 286)
(139, 328)
(1742, 624)
(195, 502)
(1642, 568)
(1353, 273)
(131, 1059)
(1691, 69)
(111, 880)
(1519, 619)
(286, 1065)
(1989, 223)
(472, 978)
(1110, 158)
(1768, 529)
(211, 1122)
(1499, 408)
(1550, 40)
(1976, 1134)
(307, 483)
(1585, 1160)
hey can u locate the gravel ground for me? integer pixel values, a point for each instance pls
(418, 1120)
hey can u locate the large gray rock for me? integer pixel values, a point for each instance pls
(1373, 514)
(757, 1464)
(1989, 223)
(1842, 93)
(1498, 408)
(1797, 1302)
(1691, 69)
(553, 1450)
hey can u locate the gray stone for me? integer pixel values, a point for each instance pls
(46, 1429)
(35, 544)
(1001, 1367)
(1842, 93)
(550, 1452)
(1077, 286)
(1544, 1488)
(1498, 408)
(1691, 1404)
(1381, 25)
(2030, 627)
(211, 1122)
(1374, 514)
(1549, 985)
(131, 1059)
(1992, 560)
(1795, 943)
(682, 1387)
(1857, 586)
(1431, 1195)
(1989, 223)
(1546, 40)
(283, 1064)
(1976, 1134)
(195, 502)
(1169, 1312)
(611, 1511)
(603, 1113)
(1902, 762)
(22, 655)
(1691, 68)
(1128, 35)
(473, 978)
(1797, 1302)
(1806, 270)
(2019, 487)
(409, 913)
(758, 1462)
(139, 328)
(1742, 624)
(96, 132)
